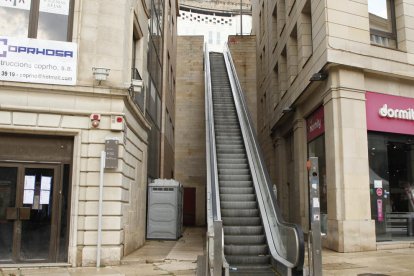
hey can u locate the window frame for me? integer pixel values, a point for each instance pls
(389, 35)
(34, 16)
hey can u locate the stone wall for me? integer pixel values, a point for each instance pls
(190, 138)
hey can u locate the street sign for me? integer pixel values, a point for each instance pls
(111, 149)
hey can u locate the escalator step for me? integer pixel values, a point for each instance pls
(238, 205)
(240, 212)
(242, 197)
(242, 250)
(246, 230)
(235, 260)
(235, 221)
(244, 239)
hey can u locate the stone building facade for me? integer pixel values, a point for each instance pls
(332, 75)
(57, 115)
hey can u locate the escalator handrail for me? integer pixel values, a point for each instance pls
(211, 141)
(214, 221)
(246, 121)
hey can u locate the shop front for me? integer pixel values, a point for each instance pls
(390, 124)
(35, 173)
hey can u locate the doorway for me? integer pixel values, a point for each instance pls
(35, 177)
(189, 207)
(29, 212)
(391, 160)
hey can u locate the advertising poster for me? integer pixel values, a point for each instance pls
(38, 61)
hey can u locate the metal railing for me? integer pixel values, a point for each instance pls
(285, 240)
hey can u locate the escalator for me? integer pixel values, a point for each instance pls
(254, 238)
(245, 245)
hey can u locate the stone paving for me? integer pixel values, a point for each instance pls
(180, 258)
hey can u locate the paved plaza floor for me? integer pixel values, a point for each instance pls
(180, 258)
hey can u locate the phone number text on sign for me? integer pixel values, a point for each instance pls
(39, 61)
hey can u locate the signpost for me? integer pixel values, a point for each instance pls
(314, 240)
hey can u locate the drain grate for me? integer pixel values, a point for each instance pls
(372, 274)
(340, 266)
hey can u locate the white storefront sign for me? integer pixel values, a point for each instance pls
(16, 4)
(39, 61)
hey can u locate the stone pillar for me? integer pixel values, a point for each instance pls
(300, 173)
(350, 227)
(280, 176)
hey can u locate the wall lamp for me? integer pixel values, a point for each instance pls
(287, 110)
(137, 85)
(100, 74)
(319, 76)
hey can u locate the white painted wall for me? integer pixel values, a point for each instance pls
(215, 29)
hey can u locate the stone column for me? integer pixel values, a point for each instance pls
(350, 227)
(280, 176)
(300, 177)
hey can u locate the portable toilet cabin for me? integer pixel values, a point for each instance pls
(165, 209)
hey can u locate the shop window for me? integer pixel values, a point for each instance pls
(40, 19)
(391, 173)
(382, 23)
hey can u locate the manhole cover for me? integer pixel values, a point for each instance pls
(340, 266)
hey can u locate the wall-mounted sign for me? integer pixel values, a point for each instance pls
(55, 6)
(315, 124)
(111, 150)
(39, 61)
(389, 113)
(16, 4)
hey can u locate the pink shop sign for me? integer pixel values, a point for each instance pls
(387, 113)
